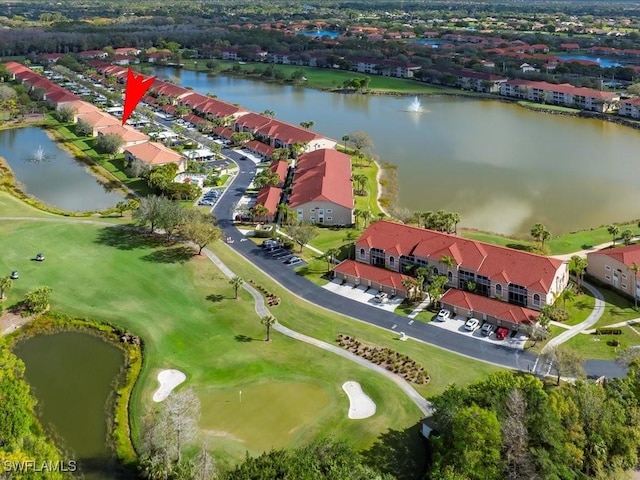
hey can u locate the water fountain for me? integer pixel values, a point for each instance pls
(39, 156)
(415, 106)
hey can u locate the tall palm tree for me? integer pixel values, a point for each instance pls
(408, 284)
(578, 265)
(268, 321)
(330, 256)
(5, 284)
(613, 230)
(236, 283)
(366, 216)
(567, 294)
(345, 139)
(449, 262)
(635, 268)
(350, 238)
(356, 215)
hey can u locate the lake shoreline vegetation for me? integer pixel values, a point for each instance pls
(118, 417)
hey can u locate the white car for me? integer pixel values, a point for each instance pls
(487, 329)
(443, 315)
(382, 297)
(472, 324)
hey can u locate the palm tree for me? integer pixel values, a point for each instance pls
(356, 215)
(268, 321)
(613, 231)
(540, 233)
(5, 284)
(308, 125)
(408, 284)
(449, 262)
(578, 265)
(566, 294)
(350, 238)
(260, 212)
(635, 268)
(366, 216)
(236, 283)
(455, 218)
(345, 139)
(269, 113)
(330, 256)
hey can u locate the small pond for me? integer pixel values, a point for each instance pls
(51, 174)
(72, 375)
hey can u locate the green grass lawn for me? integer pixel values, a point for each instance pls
(579, 308)
(10, 206)
(543, 107)
(559, 245)
(184, 310)
(597, 346)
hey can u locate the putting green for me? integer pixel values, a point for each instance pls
(267, 415)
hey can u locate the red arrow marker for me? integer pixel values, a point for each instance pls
(134, 90)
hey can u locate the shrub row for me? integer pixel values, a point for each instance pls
(272, 299)
(395, 362)
(608, 331)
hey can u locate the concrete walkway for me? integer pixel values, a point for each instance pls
(594, 316)
(261, 309)
(424, 304)
(313, 249)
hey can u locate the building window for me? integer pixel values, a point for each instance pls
(517, 294)
(377, 257)
(624, 286)
(312, 219)
(329, 219)
(483, 285)
(536, 300)
(608, 277)
(329, 210)
(392, 261)
(464, 278)
(362, 253)
(607, 267)
(499, 290)
(450, 277)
(624, 276)
(435, 271)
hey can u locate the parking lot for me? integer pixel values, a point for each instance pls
(457, 325)
(361, 294)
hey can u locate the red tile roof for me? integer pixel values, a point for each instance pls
(565, 88)
(322, 175)
(153, 153)
(495, 308)
(377, 275)
(270, 197)
(127, 133)
(281, 168)
(626, 255)
(288, 134)
(258, 147)
(510, 266)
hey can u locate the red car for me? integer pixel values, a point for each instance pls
(501, 333)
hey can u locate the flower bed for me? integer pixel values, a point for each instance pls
(272, 299)
(385, 357)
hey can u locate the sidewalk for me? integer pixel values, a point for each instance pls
(424, 304)
(583, 253)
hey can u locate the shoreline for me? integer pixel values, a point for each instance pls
(381, 188)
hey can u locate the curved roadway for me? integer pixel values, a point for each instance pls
(297, 284)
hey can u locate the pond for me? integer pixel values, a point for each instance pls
(320, 33)
(51, 174)
(502, 167)
(72, 376)
(603, 62)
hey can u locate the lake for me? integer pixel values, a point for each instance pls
(320, 33)
(502, 167)
(59, 179)
(603, 62)
(71, 375)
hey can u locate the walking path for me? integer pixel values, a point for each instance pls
(424, 304)
(261, 309)
(594, 316)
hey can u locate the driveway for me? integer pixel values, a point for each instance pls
(361, 294)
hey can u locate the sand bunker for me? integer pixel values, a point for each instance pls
(360, 404)
(169, 379)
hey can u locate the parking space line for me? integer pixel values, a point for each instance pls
(410, 322)
(394, 326)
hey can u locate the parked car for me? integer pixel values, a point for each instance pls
(14, 275)
(293, 260)
(487, 329)
(443, 315)
(502, 333)
(382, 297)
(472, 324)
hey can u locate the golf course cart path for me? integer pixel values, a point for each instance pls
(594, 316)
(261, 309)
(360, 404)
(169, 379)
